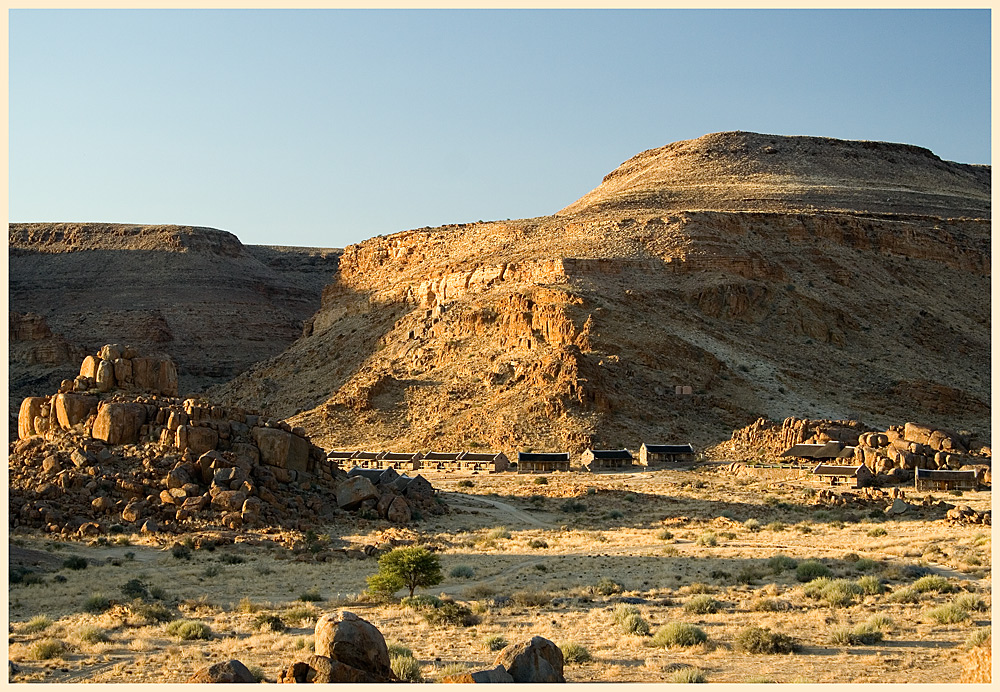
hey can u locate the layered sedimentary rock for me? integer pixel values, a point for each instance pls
(776, 276)
(215, 305)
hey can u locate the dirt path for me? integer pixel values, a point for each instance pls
(505, 509)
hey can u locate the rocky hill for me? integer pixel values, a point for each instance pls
(765, 275)
(196, 294)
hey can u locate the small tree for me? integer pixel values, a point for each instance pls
(410, 567)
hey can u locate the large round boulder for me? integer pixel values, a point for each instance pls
(354, 642)
(534, 660)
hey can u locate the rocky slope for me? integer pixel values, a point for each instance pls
(771, 275)
(196, 294)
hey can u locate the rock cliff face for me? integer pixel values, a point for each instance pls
(824, 278)
(215, 305)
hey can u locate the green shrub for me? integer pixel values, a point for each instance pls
(768, 605)
(837, 593)
(133, 589)
(495, 642)
(622, 611)
(465, 484)
(664, 534)
(811, 569)
(180, 551)
(679, 634)
(615, 514)
(775, 526)
(780, 563)
(572, 506)
(497, 532)
(47, 648)
(607, 586)
(541, 480)
(537, 543)
(971, 601)
(699, 587)
(96, 603)
(406, 668)
(702, 605)
(688, 675)
(948, 614)
(634, 623)
(866, 564)
(906, 594)
(188, 630)
(269, 622)
(310, 596)
(230, 559)
(761, 640)
(749, 574)
(933, 582)
(877, 532)
(36, 624)
(420, 602)
(89, 634)
(861, 635)
(462, 572)
(871, 585)
(450, 613)
(575, 653)
(708, 538)
(978, 637)
(150, 613)
(880, 622)
(531, 599)
(75, 562)
(751, 524)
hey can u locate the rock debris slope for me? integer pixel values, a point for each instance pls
(196, 294)
(769, 275)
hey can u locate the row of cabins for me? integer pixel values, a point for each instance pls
(527, 462)
(604, 459)
(860, 476)
(490, 462)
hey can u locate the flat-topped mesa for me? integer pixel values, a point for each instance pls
(75, 237)
(746, 171)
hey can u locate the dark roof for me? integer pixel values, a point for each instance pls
(828, 450)
(442, 456)
(944, 474)
(365, 455)
(370, 474)
(543, 456)
(669, 449)
(341, 455)
(482, 456)
(398, 456)
(833, 470)
(610, 453)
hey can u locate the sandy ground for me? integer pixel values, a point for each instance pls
(551, 559)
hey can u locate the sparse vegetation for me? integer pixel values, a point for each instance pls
(189, 629)
(688, 675)
(575, 653)
(495, 642)
(702, 605)
(811, 569)
(75, 562)
(948, 614)
(761, 640)
(47, 648)
(36, 624)
(462, 572)
(679, 634)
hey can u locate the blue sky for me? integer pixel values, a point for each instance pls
(327, 127)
